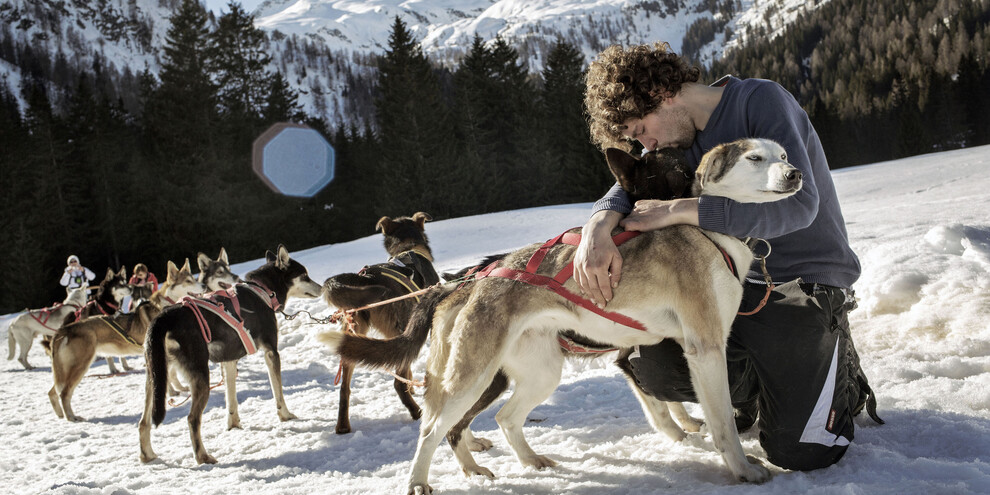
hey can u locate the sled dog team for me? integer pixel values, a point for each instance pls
(514, 318)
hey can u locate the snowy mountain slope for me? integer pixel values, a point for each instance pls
(320, 44)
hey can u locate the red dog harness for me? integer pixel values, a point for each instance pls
(43, 315)
(227, 305)
(556, 283)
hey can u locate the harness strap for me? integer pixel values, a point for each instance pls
(556, 283)
(120, 330)
(570, 345)
(43, 315)
(402, 279)
(212, 304)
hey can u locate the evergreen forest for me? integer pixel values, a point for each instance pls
(161, 170)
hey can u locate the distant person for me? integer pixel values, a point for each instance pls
(143, 285)
(141, 277)
(75, 275)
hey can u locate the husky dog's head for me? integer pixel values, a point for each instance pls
(216, 274)
(294, 273)
(659, 174)
(114, 285)
(75, 297)
(749, 171)
(406, 233)
(180, 282)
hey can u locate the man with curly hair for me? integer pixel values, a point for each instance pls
(792, 364)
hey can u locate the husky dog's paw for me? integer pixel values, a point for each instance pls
(205, 458)
(479, 471)
(420, 489)
(146, 458)
(286, 415)
(539, 462)
(754, 472)
(479, 444)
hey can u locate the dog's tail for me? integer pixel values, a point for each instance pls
(154, 356)
(391, 353)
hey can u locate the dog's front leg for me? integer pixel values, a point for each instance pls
(275, 378)
(123, 364)
(709, 377)
(229, 370)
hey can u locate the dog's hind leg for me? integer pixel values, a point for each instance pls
(463, 441)
(113, 367)
(687, 422)
(229, 371)
(442, 411)
(199, 385)
(123, 364)
(533, 385)
(343, 415)
(275, 378)
(656, 411)
(144, 425)
(404, 388)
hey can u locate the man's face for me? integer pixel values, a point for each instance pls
(668, 126)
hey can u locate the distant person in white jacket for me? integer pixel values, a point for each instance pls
(75, 274)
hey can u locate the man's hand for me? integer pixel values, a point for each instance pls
(597, 262)
(653, 214)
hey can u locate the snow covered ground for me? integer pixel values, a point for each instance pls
(920, 226)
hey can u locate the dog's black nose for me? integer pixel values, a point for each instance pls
(794, 175)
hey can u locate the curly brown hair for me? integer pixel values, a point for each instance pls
(630, 83)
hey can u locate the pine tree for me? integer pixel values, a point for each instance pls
(576, 166)
(181, 112)
(238, 62)
(414, 126)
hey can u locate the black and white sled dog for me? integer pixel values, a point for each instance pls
(191, 334)
(44, 321)
(676, 284)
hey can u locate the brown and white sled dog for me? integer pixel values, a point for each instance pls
(676, 283)
(188, 336)
(409, 269)
(44, 321)
(76, 345)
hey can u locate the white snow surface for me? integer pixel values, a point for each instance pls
(919, 225)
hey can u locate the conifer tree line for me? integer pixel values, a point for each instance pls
(117, 187)
(162, 170)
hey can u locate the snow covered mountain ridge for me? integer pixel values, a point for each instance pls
(320, 44)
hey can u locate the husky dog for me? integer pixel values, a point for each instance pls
(45, 321)
(216, 272)
(409, 269)
(191, 335)
(677, 284)
(75, 345)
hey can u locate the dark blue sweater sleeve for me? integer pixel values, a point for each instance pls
(770, 112)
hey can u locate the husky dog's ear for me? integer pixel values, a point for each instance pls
(223, 257)
(385, 225)
(185, 267)
(710, 166)
(622, 165)
(204, 262)
(269, 256)
(283, 258)
(421, 217)
(109, 275)
(172, 270)
(123, 272)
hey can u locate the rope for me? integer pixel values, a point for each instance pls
(172, 402)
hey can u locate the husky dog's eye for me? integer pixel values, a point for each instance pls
(754, 158)
(783, 156)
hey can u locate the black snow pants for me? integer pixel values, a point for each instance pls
(793, 363)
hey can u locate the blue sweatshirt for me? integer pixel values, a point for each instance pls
(807, 231)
